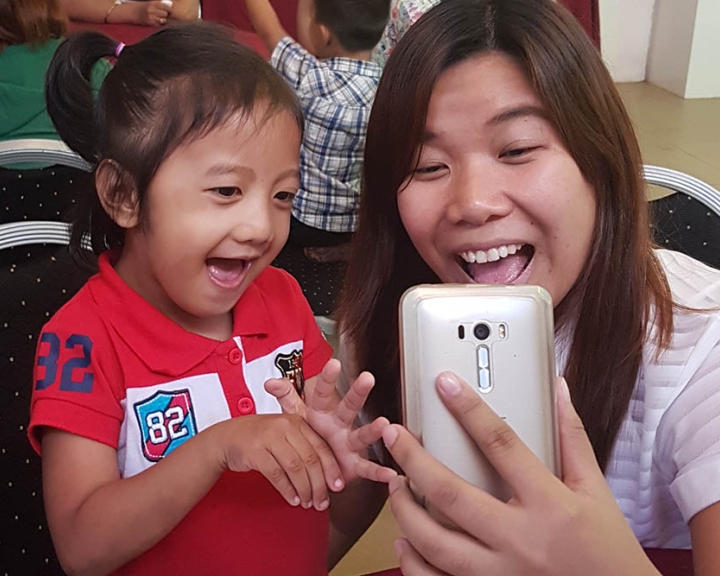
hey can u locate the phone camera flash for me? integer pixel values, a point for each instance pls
(502, 331)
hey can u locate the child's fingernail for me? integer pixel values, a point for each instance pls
(295, 501)
(390, 434)
(448, 383)
(394, 484)
(338, 483)
(323, 505)
(306, 505)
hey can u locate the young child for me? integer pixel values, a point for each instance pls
(329, 69)
(162, 451)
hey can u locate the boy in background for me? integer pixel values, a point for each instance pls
(330, 70)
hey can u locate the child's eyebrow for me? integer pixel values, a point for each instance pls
(230, 168)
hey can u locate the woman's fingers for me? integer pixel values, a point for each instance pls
(514, 461)
(449, 550)
(411, 563)
(578, 458)
(472, 509)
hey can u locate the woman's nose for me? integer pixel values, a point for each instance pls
(479, 194)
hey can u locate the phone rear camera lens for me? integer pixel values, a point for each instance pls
(481, 331)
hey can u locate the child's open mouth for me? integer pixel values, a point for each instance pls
(500, 265)
(227, 272)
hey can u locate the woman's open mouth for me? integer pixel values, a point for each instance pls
(499, 265)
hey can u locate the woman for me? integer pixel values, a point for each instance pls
(507, 129)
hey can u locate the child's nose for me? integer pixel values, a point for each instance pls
(478, 195)
(255, 224)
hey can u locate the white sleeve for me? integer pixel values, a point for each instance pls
(688, 437)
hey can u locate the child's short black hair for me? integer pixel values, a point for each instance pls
(357, 24)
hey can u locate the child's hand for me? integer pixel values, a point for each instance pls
(288, 452)
(333, 418)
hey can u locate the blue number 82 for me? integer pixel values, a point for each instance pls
(50, 361)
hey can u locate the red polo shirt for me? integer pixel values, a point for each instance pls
(112, 368)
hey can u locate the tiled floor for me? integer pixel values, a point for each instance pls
(676, 133)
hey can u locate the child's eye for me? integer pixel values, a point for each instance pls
(285, 196)
(227, 191)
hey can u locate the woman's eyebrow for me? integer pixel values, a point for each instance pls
(515, 113)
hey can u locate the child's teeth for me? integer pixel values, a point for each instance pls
(493, 255)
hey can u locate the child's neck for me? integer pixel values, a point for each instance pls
(363, 55)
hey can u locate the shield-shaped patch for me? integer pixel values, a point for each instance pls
(291, 367)
(166, 420)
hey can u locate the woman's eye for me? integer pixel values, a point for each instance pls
(285, 196)
(227, 191)
(432, 169)
(517, 152)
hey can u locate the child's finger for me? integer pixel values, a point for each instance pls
(314, 470)
(362, 437)
(286, 395)
(269, 467)
(374, 471)
(354, 400)
(292, 465)
(330, 467)
(325, 396)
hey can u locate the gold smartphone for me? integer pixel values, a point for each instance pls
(499, 339)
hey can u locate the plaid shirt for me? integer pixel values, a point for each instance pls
(336, 95)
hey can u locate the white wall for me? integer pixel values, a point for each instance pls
(704, 70)
(625, 27)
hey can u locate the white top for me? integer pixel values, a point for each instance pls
(665, 466)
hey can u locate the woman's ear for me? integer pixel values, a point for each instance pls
(117, 193)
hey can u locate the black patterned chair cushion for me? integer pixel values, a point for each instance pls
(35, 281)
(47, 194)
(320, 282)
(686, 225)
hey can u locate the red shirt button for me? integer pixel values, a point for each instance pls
(235, 356)
(246, 406)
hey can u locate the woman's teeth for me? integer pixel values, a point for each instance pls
(491, 255)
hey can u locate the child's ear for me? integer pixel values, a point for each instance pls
(326, 35)
(117, 193)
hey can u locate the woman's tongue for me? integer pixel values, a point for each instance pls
(503, 271)
(226, 271)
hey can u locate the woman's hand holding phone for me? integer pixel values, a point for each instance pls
(550, 526)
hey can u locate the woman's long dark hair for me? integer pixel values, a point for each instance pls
(176, 85)
(610, 303)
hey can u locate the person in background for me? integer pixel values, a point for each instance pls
(329, 69)
(30, 33)
(499, 152)
(403, 14)
(139, 12)
(164, 449)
